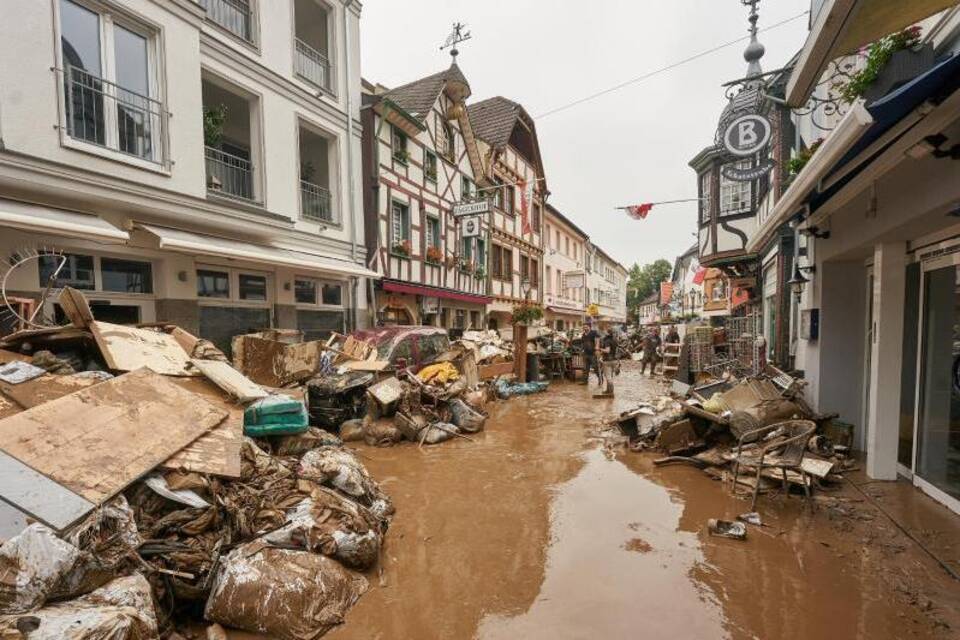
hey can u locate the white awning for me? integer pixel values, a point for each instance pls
(40, 219)
(834, 147)
(197, 244)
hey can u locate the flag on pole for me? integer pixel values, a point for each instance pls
(699, 275)
(639, 211)
(666, 292)
(526, 196)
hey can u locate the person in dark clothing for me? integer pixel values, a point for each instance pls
(650, 345)
(589, 341)
(673, 336)
(611, 363)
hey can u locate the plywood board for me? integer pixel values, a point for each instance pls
(273, 363)
(98, 440)
(216, 453)
(38, 496)
(46, 388)
(75, 306)
(236, 384)
(130, 348)
(487, 371)
(185, 339)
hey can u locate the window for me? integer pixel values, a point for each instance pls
(236, 16)
(433, 232)
(466, 189)
(502, 262)
(466, 251)
(496, 261)
(332, 294)
(126, 276)
(447, 141)
(400, 223)
(253, 287)
(706, 197)
(481, 253)
(460, 319)
(305, 291)
(534, 272)
(77, 271)
(399, 141)
(560, 283)
(511, 197)
(556, 244)
(430, 166)
(213, 284)
(507, 263)
(108, 82)
(496, 192)
(474, 319)
(735, 197)
(536, 217)
(525, 268)
(566, 250)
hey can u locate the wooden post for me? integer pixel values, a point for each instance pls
(520, 352)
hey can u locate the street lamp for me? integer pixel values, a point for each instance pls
(525, 288)
(798, 281)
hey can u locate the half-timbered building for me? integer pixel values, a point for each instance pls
(420, 158)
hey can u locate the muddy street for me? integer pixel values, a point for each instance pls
(538, 530)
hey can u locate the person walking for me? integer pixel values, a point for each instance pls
(611, 362)
(650, 345)
(589, 341)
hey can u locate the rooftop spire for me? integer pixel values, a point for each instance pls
(754, 50)
(456, 36)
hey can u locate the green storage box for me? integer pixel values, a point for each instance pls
(275, 416)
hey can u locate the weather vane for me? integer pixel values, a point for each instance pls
(457, 36)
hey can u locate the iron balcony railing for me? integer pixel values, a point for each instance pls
(105, 114)
(312, 66)
(315, 202)
(235, 16)
(229, 175)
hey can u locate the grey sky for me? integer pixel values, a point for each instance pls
(627, 147)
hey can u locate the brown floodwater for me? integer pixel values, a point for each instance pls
(539, 529)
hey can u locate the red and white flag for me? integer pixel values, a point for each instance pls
(639, 211)
(526, 197)
(699, 275)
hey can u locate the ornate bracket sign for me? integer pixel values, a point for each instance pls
(747, 135)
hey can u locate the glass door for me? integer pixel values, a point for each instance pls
(937, 463)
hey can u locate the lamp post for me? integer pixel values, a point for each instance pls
(520, 337)
(798, 281)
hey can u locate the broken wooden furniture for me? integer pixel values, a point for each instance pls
(778, 446)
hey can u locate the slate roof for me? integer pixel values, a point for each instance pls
(418, 97)
(493, 120)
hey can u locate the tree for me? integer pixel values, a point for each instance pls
(644, 281)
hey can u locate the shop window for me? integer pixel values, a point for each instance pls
(213, 284)
(332, 294)
(305, 291)
(126, 276)
(253, 287)
(77, 271)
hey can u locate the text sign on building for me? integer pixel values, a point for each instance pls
(573, 280)
(471, 208)
(470, 226)
(747, 135)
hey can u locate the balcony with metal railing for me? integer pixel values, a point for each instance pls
(312, 65)
(103, 113)
(236, 16)
(229, 175)
(315, 202)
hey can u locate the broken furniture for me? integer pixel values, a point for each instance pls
(778, 446)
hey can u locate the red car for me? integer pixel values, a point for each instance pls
(406, 346)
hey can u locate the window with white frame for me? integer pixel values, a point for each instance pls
(314, 292)
(236, 16)
(399, 143)
(466, 189)
(432, 232)
(735, 197)
(446, 140)
(399, 225)
(706, 197)
(110, 93)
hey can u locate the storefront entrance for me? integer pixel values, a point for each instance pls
(936, 460)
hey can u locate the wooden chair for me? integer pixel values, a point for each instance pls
(784, 451)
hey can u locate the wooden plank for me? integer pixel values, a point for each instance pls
(130, 348)
(487, 371)
(46, 388)
(98, 440)
(38, 496)
(74, 305)
(236, 384)
(216, 453)
(367, 365)
(186, 340)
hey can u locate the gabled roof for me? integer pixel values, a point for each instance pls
(493, 120)
(418, 97)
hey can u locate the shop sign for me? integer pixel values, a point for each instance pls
(747, 135)
(470, 208)
(430, 305)
(470, 226)
(732, 172)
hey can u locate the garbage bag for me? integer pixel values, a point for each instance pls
(338, 468)
(31, 564)
(107, 541)
(381, 433)
(466, 417)
(285, 594)
(507, 389)
(299, 444)
(439, 432)
(332, 524)
(275, 416)
(120, 610)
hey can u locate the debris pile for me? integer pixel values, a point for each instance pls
(756, 432)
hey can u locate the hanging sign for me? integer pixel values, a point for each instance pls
(747, 135)
(471, 208)
(430, 305)
(470, 227)
(748, 174)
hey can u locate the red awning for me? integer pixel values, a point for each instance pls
(432, 292)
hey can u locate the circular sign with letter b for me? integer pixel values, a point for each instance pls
(746, 135)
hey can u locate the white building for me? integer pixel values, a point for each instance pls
(564, 276)
(606, 286)
(196, 162)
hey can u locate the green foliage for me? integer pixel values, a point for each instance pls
(798, 162)
(527, 312)
(646, 280)
(213, 121)
(878, 55)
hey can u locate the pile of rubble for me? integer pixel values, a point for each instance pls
(755, 433)
(147, 484)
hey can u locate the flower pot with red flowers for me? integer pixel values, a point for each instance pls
(402, 248)
(435, 255)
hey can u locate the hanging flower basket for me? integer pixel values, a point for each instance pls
(879, 55)
(526, 313)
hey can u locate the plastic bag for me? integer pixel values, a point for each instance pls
(341, 470)
(31, 564)
(466, 417)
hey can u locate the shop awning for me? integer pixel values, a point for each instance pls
(840, 27)
(566, 311)
(197, 244)
(433, 292)
(39, 219)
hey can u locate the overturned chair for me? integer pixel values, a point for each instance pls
(776, 446)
